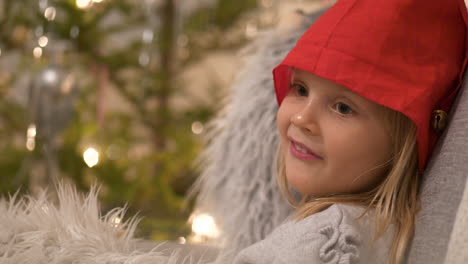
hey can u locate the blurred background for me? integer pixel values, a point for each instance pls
(118, 92)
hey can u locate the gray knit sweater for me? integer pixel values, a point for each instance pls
(334, 235)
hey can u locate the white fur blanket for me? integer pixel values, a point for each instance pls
(34, 230)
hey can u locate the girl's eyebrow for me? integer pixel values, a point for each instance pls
(360, 102)
(298, 77)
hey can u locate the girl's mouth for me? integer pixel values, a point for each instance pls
(301, 152)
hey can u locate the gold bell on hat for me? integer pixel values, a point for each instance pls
(439, 120)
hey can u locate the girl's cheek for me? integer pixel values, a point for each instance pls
(282, 119)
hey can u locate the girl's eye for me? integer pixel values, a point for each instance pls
(299, 89)
(343, 109)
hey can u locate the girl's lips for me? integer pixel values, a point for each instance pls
(300, 154)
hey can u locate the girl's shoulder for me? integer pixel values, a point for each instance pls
(334, 235)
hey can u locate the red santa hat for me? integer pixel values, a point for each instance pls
(408, 55)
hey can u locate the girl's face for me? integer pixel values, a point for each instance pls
(332, 139)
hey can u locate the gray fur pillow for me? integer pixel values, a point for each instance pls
(442, 188)
(238, 186)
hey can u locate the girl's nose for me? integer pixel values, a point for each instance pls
(307, 119)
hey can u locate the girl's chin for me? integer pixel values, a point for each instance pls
(305, 183)
(299, 182)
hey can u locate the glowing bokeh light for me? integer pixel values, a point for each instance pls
(83, 3)
(32, 131)
(50, 77)
(197, 127)
(91, 157)
(43, 41)
(204, 225)
(147, 36)
(50, 13)
(30, 144)
(37, 52)
(31, 137)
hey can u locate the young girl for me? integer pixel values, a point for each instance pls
(363, 97)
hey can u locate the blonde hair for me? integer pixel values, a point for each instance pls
(394, 199)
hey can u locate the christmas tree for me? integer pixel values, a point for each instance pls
(91, 92)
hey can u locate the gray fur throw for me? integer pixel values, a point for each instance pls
(238, 186)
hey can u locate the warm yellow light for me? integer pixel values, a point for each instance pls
(83, 3)
(43, 40)
(30, 144)
(50, 13)
(50, 77)
(197, 127)
(204, 225)
(116, 221)
(31, 131)
(31, 137)
(37, 52)
(91, 157)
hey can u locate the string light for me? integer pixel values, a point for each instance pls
(43, 40)
(31, 137)
(50, 13)
(91, 157)
(147, 36)
(37, 52)
(197, 127)
(32, 131)
(82, 4)
(30, 144)
(203, 226)
(116, 221)
(50, 76)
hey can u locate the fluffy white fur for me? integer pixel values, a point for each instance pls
(34, 230)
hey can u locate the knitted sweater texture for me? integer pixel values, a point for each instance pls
(333, 236)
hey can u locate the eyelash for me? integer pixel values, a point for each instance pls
(300, 88)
